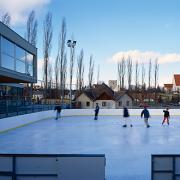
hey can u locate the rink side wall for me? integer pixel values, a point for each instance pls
(10, 123)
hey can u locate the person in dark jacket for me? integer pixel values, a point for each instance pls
(146, 115)
(96, 111)
(166, 116)
(57, 108)
(126, 117)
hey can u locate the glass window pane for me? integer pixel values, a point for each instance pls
(7, 47)
(163, 163)
(7, 62)
(20, 54)
(163, 176)
(29, 58)
(20, 66)
(29, 70)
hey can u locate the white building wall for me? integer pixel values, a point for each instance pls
(124, 100)
(110, 104)
(83, 99)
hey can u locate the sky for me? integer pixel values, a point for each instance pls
(109, 29)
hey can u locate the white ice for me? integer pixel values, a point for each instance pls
(128, 150)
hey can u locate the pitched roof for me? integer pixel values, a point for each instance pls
(168, 86)
(177, 79)
(119, 94)
(102, 91)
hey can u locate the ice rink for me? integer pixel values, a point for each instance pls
(127, 150)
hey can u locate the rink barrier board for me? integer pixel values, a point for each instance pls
(12, 123)
(52, 166)
(165, 167)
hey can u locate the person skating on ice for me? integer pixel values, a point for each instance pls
(126, 117)
(96, 111)
(166, 116)
(146, 115)
(58, 111)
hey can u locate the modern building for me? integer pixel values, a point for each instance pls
(18, 67)
(18, 58)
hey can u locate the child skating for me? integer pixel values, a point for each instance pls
(126, 117)
(146, 115)
(96, 111)
(166, 116)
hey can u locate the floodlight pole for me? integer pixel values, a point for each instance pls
(71, 44)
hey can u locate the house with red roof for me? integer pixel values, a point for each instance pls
(176, 82)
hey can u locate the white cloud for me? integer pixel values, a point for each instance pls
(19, 9)
(145, 56)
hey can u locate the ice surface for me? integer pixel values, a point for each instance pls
(128, 150)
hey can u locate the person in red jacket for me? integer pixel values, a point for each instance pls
(166, 116)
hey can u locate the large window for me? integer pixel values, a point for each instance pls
(16, 58)
(20, 54)
(20, 66)
(7, 47)
(7, 62)
(29, 63)
(20, 60)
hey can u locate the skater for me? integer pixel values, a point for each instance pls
(166, 116)
(96, 111)
(126, 117)
(58, 111)
(146, 115)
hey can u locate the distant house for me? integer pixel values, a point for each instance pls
(176, 82)
(104, 96)
(123, 99)
(168, 87)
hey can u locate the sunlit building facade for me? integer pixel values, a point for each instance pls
(18, 58)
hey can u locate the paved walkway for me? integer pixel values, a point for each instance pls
(128, 150)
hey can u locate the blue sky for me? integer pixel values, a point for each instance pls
(109, 29)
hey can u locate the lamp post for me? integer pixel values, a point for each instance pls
(71, 44)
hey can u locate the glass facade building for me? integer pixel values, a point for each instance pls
(18, 58)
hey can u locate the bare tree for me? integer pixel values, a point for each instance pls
(6, 19)
(129, 72)
(64, 76)
(80, 70)
(121, 72)
(61, 55)
(50, 80)
(48, 30)
(149, 74)
(123, 62)
(137, 75)
(119, 65)
(149, 78)
(91, 71)
(156, 71)
(31, 35)
(143, 75)
(56, 73)
(98, 74)
(143, 85)
(32, 29)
